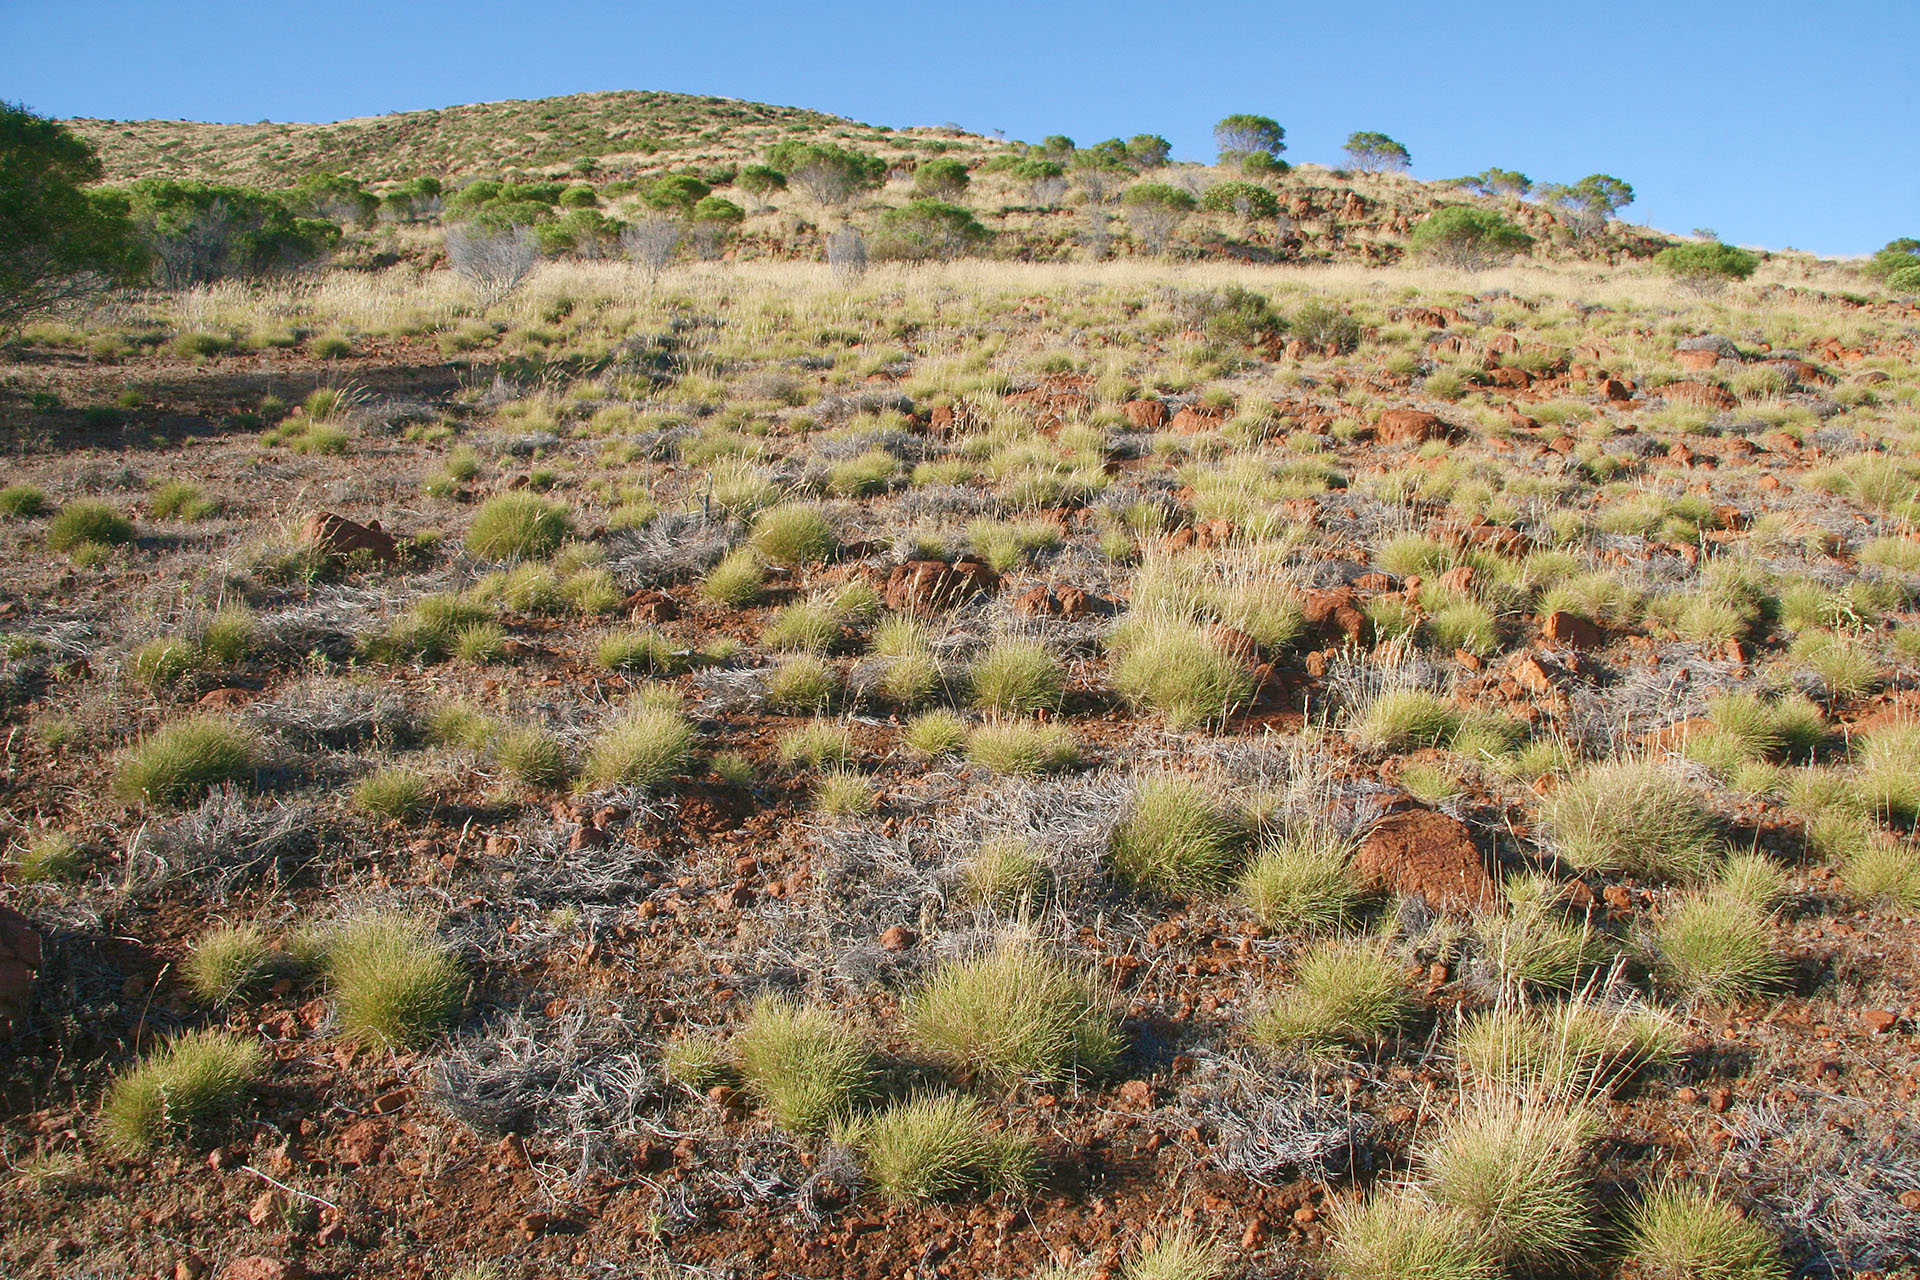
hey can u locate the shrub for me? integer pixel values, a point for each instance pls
(646, 650)
(393, 794)
(644, 748)
(227, 960)
(180, 762)
(393, 983)
(1006, 873)
(1467, 238)
(1344, 991)
(22, 501)
(1301, 881)
(1241, 136)
(935, 1146)
(530, 755)
(1713, 947)
(1176, 839)
(1247, 200)
(1175, 1255)
(1024, 748)
(935, 733)
(1511, 1168)
(517, 524)
(1176, 668)
(1706, 268)
(88, 523)
(794, 534)
(1154, 211)
(804, 682)
(1678, 1232)
(1405, 720)
(801, 1064)
(1016, 675)
(1014, 1015)
(187, 1083)
(1405, 1236)
(1631, 816)
(927, 231)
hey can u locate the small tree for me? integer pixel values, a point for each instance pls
(413, 200)
(1706, 268)
(494, 262)
(942, 179)
(927, 230)
(1499, 182)
(1904, 280)
(650, 241)
(831, 175)
(714, 219)
(57, 243)
(332, 197)
(1098, 173)
(1247, 200)
(1095, 236)
(1057, 147)
(1371, 152)
(1898, 255)
(1046, 181)
(761, 181)
(199, 231)
(1587, 204)
(1467, 238)
(1241, 137)
(1148, 151)
(677, 193)
(1154, 211)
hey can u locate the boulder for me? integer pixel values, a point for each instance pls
(1697, 359)
(927, 586)
(1410, 426)
(1145, 415)
(339, 536)
(20, 960)
(1337, 616)
(1057, 602)
(1424, 853)
(1571, 631)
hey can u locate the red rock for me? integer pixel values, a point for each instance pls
(228, 699)
(259, 1267)
(1615, 390)
(1193, 421)
(899, 938)
(1571, 631)
(940, 417)
(1297, 349)
(20, 960)
(587, 837)
(1533, 675)
(1409, 426)
(1335, 613)
(928, 586)
(1880, 1021)
(1373, 582)
(1419, 851)
(1701, 361)
(1146, 415)
(1460, 579)
(1054, 602)
(363, 1141)
(1704, 394)
(1509, 379)
(1502, 344)
(339, 536)
(650, 608)
(391, 1101)
(1137, 1094)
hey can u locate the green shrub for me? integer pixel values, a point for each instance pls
(1403, 1235)
(1706, 268)
(927, 231)
(1014, 1015)
(936, 1146)
(795, 534)
(1678, 1232)
(1634, 817)
(517, 524)
(22, 501)
(1405, 720)
(226, 961)
(646, 747)
(1023, 748)
(394, 794)
(87, 523)
(736, 580)
(1467, 238)
(1710, 946)
(393, 983)
(179, 762)
(1017, 676)
(801, 1063)
(1176, 668)
(1301, 881)
(1176, 838)
(1511, 1168)
(803, 682)
(1344, 992)
(187, 1083)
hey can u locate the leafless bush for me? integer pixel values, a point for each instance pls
(1096, 237)
(1270, 1131)
(495, 263)
(333, 715)
(1049, 191)
(1153, 224)
(221, 843)
(847, 253)
(650, 241)
(673, 547)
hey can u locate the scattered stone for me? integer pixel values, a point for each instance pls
(1571, 631)
(261, 1267)
(1880, 1021)
(899, 938)
(1145, 415)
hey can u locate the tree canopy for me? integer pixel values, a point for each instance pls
(58, 241)
(1371, 152)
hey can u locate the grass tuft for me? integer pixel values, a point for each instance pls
(1023, 748)
(793, 535)
(1404, 1236)
(646, 747)
(87, 523)
(1711, 946)
(936, 1146)
(187, 1083)
(1511, 1168)
(180, 762)
(1013, 1015)
(394, 984)
(517, 525)
(1634, 817)
(226, 961)
(801, 1064)
(1175, 668)
(1016, 676)
(1301, 881)
(1679, 1232)
(1176, 839)
(1345, 991)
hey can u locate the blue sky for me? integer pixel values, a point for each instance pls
(1773, 123)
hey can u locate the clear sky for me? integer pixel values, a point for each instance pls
(1774, 123)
